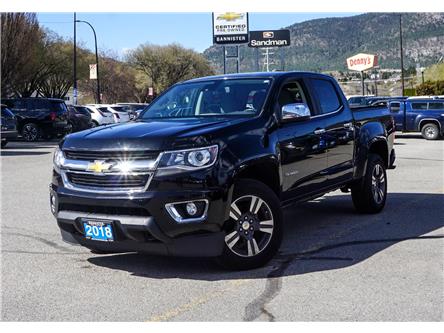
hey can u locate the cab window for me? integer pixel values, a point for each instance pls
(291, 93)
(419, 106)
(436, 106)
(326, 95)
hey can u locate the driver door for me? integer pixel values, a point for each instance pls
(303, 149)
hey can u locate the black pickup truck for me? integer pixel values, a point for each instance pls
(206, 169)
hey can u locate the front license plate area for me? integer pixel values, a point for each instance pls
(98, 230)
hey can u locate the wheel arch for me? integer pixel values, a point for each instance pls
(25, 121)
(264, 169)
(425, 121)
(377, 145)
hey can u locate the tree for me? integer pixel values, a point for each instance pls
(22, 43)
(429, 88)
(117, 80)
(167, 65)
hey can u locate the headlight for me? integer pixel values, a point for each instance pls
(189, 159)
(58, 159)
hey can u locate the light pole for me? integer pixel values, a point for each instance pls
(74, 93)
(402, 55)
(97, 57)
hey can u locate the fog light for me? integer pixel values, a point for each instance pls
(53, 204)
(188, 211)
(191, 208)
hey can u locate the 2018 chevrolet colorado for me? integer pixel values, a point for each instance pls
(207, 167)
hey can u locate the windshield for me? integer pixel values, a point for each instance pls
(219, 98)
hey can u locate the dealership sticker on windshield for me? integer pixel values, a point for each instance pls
(98, 230)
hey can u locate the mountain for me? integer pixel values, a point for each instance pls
(324, 44)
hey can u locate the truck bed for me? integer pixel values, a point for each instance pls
(361, 113)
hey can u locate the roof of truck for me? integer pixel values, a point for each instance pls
(254, 75)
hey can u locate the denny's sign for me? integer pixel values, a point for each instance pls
(362, 62)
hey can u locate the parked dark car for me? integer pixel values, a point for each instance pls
(8, 125)
(79, 118)
(207, 167)
(420, 115)
(39, 117)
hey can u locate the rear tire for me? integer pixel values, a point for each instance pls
(254, 229)
(30, 132)
(430, 131)
(4, 143)
(369, 193)
(94, 124)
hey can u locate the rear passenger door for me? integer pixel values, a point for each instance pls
(415, 110)
(339, 134)
(303, 152)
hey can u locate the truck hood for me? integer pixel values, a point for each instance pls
(148, 135)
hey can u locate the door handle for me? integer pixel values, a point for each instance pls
(319, 131)
(348, 125)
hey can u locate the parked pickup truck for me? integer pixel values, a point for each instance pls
(419, 115)
(207, 167)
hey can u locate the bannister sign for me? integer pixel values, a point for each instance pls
(362, 62)
(230, 28)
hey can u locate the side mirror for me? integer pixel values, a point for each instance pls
(394, 108)
(295, 111)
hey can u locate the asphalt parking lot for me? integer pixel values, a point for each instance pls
(334, 265)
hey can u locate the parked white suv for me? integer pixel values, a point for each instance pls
(119, 112)
(100, 115)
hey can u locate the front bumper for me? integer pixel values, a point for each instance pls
(141, 223)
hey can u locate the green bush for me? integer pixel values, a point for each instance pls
(430, 88)
(409, 92)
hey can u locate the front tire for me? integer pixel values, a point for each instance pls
(370, 192)
(430, 131)
(254, 229)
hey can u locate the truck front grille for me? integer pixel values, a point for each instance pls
(111, 155)
(108, 182)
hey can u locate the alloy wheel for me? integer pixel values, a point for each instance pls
(378, 183)
(30, 132)
(251, 226)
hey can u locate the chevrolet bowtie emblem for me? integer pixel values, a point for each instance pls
(99, 166)
(230, 16)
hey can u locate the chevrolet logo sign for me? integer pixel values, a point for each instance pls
(268, 34)
(230, 16)
(99, 166)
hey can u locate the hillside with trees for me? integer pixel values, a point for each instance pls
(324, 44)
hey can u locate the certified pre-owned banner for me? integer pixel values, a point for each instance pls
(269, 38)
(230, 28)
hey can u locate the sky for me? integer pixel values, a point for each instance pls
(123, 31)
